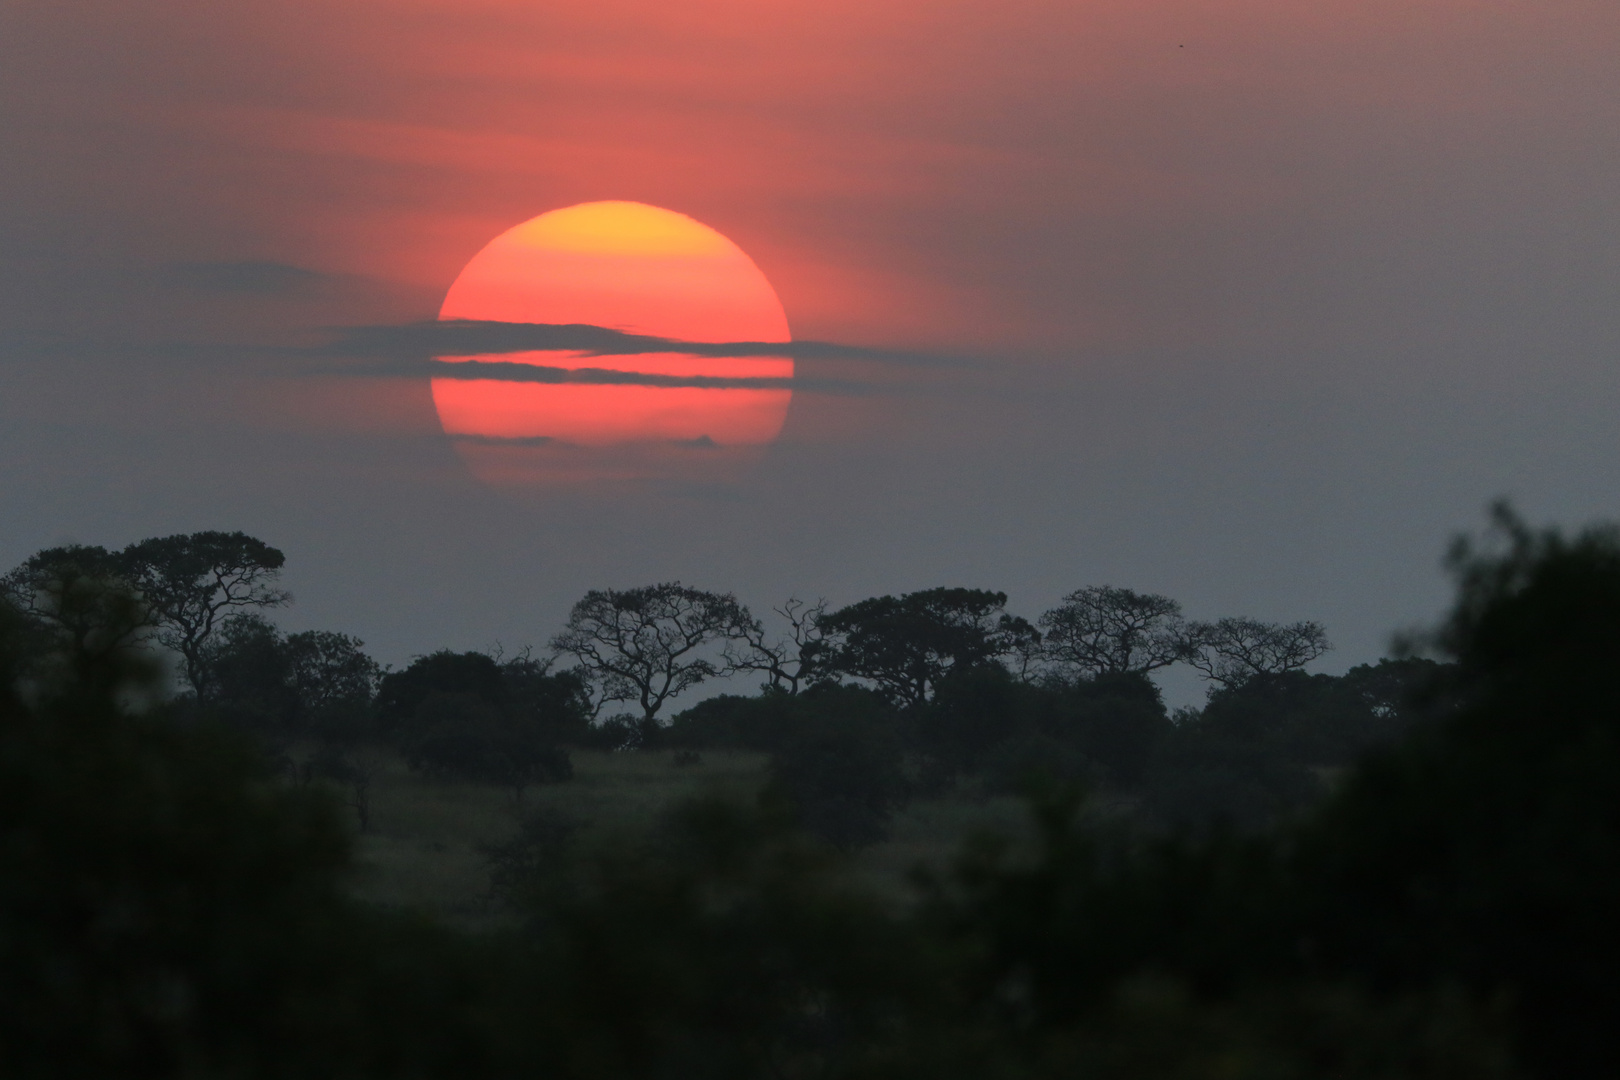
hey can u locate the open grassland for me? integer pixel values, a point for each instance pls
(425, 848)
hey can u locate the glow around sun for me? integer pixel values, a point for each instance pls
(631, 267)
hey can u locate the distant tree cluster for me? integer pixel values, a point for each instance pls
(647, 645)
(861, 706)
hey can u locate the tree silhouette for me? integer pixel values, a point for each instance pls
(1232, 651)
(788, 662)
(907, 644)
(1102, 630)
(192, 582)
(648, 644)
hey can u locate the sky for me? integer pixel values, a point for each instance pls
(1252, 303)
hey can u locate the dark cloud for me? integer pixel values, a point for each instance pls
(427, 349)
(506, 371)
(466, 337)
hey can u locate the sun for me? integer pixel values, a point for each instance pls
(631, 267)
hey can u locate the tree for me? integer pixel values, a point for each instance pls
(247, 675)
(1485, 853)
(555, 702)
(332, 678)
(648, 644)
(315, 682)
(401, 693)
(468, 716)
(907, 644)
(1102, 630)
(1232, 651)
(77, 598)
(790, 662)
(192, 582)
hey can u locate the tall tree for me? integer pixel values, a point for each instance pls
(1102, 630)
(1232, 651)
(648, 644)
(905, 645)
(193, 581)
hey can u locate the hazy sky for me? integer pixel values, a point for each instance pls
(1251, 302)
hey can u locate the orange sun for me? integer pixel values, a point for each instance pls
(629, 267)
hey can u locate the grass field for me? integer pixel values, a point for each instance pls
(424, 848)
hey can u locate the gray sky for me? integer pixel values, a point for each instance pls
(1258, 303)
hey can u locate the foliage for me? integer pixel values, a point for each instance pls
(401, 693)
(84, 619)
(332, 679)
(1268, 746)
(837, 762)
(1487, 849)
(464, 737)
(192, 582)
(722, 944)
(649, 644)
(905, 645)
(467, 716)
(837, 753)
(166, 909)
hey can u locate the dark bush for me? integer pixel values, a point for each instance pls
(471, 674)
(838, 762)
(1270, 746)
(732, 722)
(464, 737)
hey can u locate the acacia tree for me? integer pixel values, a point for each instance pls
(1102, 629)
(192, 582)
(907, 644)
(648, 644)
(790, 662)
(1233, 651)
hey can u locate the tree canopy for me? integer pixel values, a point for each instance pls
(905, 645)
(648, 644)
(193, 581)
(1233, 650)
(1103, 629)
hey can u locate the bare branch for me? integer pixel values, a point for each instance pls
(1232, 651)
(788, 662)
(1103, 629)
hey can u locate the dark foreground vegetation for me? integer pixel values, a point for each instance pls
(1409, 870)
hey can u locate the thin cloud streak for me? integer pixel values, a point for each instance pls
(467, 337)
(456, 349)
(507, 371)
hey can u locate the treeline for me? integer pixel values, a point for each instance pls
(169, 908)
(862, 708)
